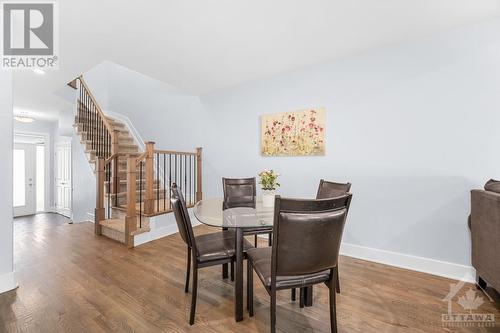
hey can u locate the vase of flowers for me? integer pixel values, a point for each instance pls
(269, 183)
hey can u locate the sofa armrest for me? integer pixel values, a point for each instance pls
(485, 231)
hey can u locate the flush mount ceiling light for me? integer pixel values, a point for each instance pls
(39, 71)
(24, 119)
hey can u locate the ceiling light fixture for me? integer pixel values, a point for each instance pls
(39, 71)
(24, 119)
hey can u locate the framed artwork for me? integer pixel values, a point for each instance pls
(298, 133)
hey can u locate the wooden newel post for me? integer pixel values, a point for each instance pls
(199, 179)
(114, 150)
(149, 202)
(99, 205)
(131, 218)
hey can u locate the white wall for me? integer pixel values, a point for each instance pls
(7, 279)
(413, 126)
(84, 183)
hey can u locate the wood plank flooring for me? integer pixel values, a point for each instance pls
(73, 281)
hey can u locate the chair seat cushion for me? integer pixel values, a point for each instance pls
(218, 245)
(261, 261)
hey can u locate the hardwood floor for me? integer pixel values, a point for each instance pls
(73, 281)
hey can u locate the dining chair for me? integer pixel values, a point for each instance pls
(305, 250)
(328, 189)
(241, 192)
(203, 250)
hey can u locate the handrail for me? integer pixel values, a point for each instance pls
(141, 157)
(112, 157)
(98, 108)
(157, 151)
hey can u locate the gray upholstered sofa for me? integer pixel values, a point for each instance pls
(484, 223)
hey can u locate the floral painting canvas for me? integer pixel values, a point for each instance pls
(296, 133)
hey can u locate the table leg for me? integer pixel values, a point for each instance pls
(308, 296)
(238, 284)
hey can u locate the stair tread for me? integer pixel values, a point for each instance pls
(119, 225)
(115, 224)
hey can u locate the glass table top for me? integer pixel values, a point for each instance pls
(210, 212)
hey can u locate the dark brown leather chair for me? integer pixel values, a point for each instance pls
(241, 192)
(307, 236)
(327, 189)
(204, 250)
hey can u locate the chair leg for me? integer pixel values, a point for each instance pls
(250, 288)
(302, 297)
(273, 310)
(194, 293)
(294, 294)
(188, 270)
(270, 239)
(255, 240)
(224, 271)
(337, 282)
(224, 266)
(232, 270)
(333, 305)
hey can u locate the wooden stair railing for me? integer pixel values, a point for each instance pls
(102, 135)
(149, 175)
(161, 168)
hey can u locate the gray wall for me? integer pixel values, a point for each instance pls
(412, 126)
(7, 281)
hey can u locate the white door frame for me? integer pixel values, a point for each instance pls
(29, 208)
(49, 180)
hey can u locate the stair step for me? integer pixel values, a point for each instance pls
(114, 228)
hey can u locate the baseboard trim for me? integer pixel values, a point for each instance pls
(7, 282)
(157, 233)
(414, 263)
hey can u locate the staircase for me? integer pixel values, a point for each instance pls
(133, 186)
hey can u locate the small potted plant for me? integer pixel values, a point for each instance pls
(268, 180)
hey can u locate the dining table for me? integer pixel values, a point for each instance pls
(210, 211)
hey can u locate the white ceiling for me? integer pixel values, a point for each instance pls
(200, 46)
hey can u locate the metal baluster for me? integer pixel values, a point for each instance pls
(140, 195)
(185, 175)
(169, 179)
(164, 183)
(158, 182)
(175, 170)
(190, 198)
(108, 178)
(116, 179)
(194, 180)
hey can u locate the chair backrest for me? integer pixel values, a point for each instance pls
(182, 216)
(328, 189)
(239, 192)
(307, 234)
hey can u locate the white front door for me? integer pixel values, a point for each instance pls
(63, 184)
(24, 182)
